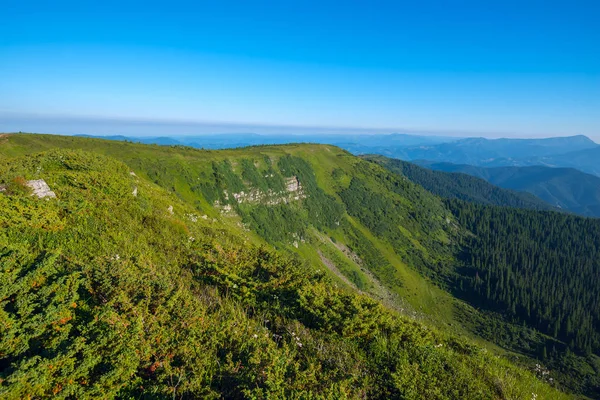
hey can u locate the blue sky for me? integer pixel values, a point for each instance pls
(495, 68)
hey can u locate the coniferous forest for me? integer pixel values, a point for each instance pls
(538, 267)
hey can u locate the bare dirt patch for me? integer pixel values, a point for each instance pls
(331, 266)
(377, 290)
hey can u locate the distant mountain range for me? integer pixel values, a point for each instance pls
(566, 188)
(578, 152)
(483, 151)
(461, 186)
(353, 143)
(587, 160)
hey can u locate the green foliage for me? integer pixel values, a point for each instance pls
(347, 267)
(409, 228)
(16, 186)
(373, 259)
(225, 178)
(278, 223)
(542, 268)
(104, 294)
(323, 210)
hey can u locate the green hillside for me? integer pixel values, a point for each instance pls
(317, 222)
(461, 186)
(566, 188)
(294, 271)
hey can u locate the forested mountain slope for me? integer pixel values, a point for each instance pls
(540, 267)
(461, 186)
(346, 226)
(567, 188)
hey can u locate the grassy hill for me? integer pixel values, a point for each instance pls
(287, 271)
(201, 178)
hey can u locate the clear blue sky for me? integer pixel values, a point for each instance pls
(524, 68)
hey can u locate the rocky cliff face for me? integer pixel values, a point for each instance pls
(293, 192)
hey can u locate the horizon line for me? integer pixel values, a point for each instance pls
(233, 128)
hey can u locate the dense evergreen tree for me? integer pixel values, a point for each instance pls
(539, 267)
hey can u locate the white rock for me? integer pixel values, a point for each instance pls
(40, 188)
(292, 184)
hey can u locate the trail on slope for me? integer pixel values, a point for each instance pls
(377, 291)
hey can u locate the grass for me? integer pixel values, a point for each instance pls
(171, 173)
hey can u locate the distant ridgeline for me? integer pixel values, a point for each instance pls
(566, 188)
(279, 271)
(461, 186)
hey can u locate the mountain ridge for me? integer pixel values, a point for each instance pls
(461, 186)
(576, 151)
(568, 188)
